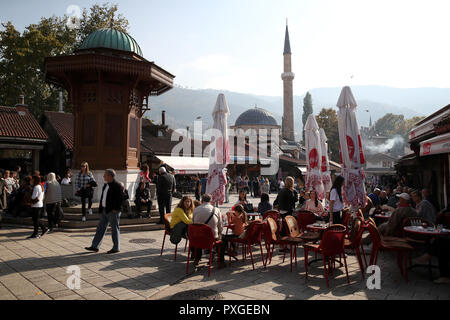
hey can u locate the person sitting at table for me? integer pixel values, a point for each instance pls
(375, 197)
(301, 199)
(238, 219)
(181, 219)
(315, 206)
(243, 201)
(383, 198)
(424, 208)
(206, 213)
(393, 226)
(265, 204)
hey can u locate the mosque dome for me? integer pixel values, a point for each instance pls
(256, 116)
(110, 38)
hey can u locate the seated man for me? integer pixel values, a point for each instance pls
(143, 199)
(126, 201)
(392, 227)
(210, 215)
(383, 198)
(424, 208)
(375, 197)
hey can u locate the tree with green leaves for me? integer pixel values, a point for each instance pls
(393, 124)
(328, 120)
(22, 54)
(307, 110)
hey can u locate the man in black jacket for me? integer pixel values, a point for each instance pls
(110, 206)
(165, 187)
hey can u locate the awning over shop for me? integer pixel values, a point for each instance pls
(436, 145)
(302, 169)
(186, 165)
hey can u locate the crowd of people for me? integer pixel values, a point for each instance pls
(34, 193)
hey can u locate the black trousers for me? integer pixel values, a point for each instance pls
(36, 216)
(51, 214)
(140, 204)
(83, 203)
(164, 204)
(441, 248)
(337, 217)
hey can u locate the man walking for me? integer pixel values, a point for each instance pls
(164, 189)
(110, 206)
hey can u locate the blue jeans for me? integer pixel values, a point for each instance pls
(105, 220)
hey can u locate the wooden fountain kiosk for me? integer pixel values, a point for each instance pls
(109, 84)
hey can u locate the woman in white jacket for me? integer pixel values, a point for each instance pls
(37, 204)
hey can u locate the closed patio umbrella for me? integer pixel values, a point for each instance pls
(219, 155)
(325, 166)
(352, 155)
(313, 157)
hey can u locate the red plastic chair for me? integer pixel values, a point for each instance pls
(354, 242)
(346, 218)
(393, 244)
(332, 245)
(305, 218)
(252, 237)
(275, 215)
(167, 218)
(201, 236)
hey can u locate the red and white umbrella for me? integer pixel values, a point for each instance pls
(352, 155)
(325, 165)
(219, 154)
(313, 157)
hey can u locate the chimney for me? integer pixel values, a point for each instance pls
(163, 118)
(61, 101)
(187, 131)
(21, 106)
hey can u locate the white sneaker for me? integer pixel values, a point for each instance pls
(83, 219)
(90, 211)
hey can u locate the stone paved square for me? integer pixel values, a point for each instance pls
(36, 269)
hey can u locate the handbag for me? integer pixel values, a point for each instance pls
(248, 207)
(177, 195)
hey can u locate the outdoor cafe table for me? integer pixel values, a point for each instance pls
(384, 216)
(429, 232)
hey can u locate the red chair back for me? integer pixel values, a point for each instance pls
(374, 234)
(254, 232)
(167, 218)
(201, 236)
(332, 243)
(292, 226)
(357, 231)
(275, 215)
(346, 217)
(272, 229)
(305, 218)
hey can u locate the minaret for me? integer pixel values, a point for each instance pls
(288, 95)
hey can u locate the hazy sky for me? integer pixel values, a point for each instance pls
(237, 45)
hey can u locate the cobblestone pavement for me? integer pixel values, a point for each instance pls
(37, 269)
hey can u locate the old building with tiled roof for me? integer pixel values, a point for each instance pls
(21, 138)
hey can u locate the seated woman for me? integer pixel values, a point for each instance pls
(238, 221)
(181, 218)
(315, 206)
(265, 204)
(242, 201)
